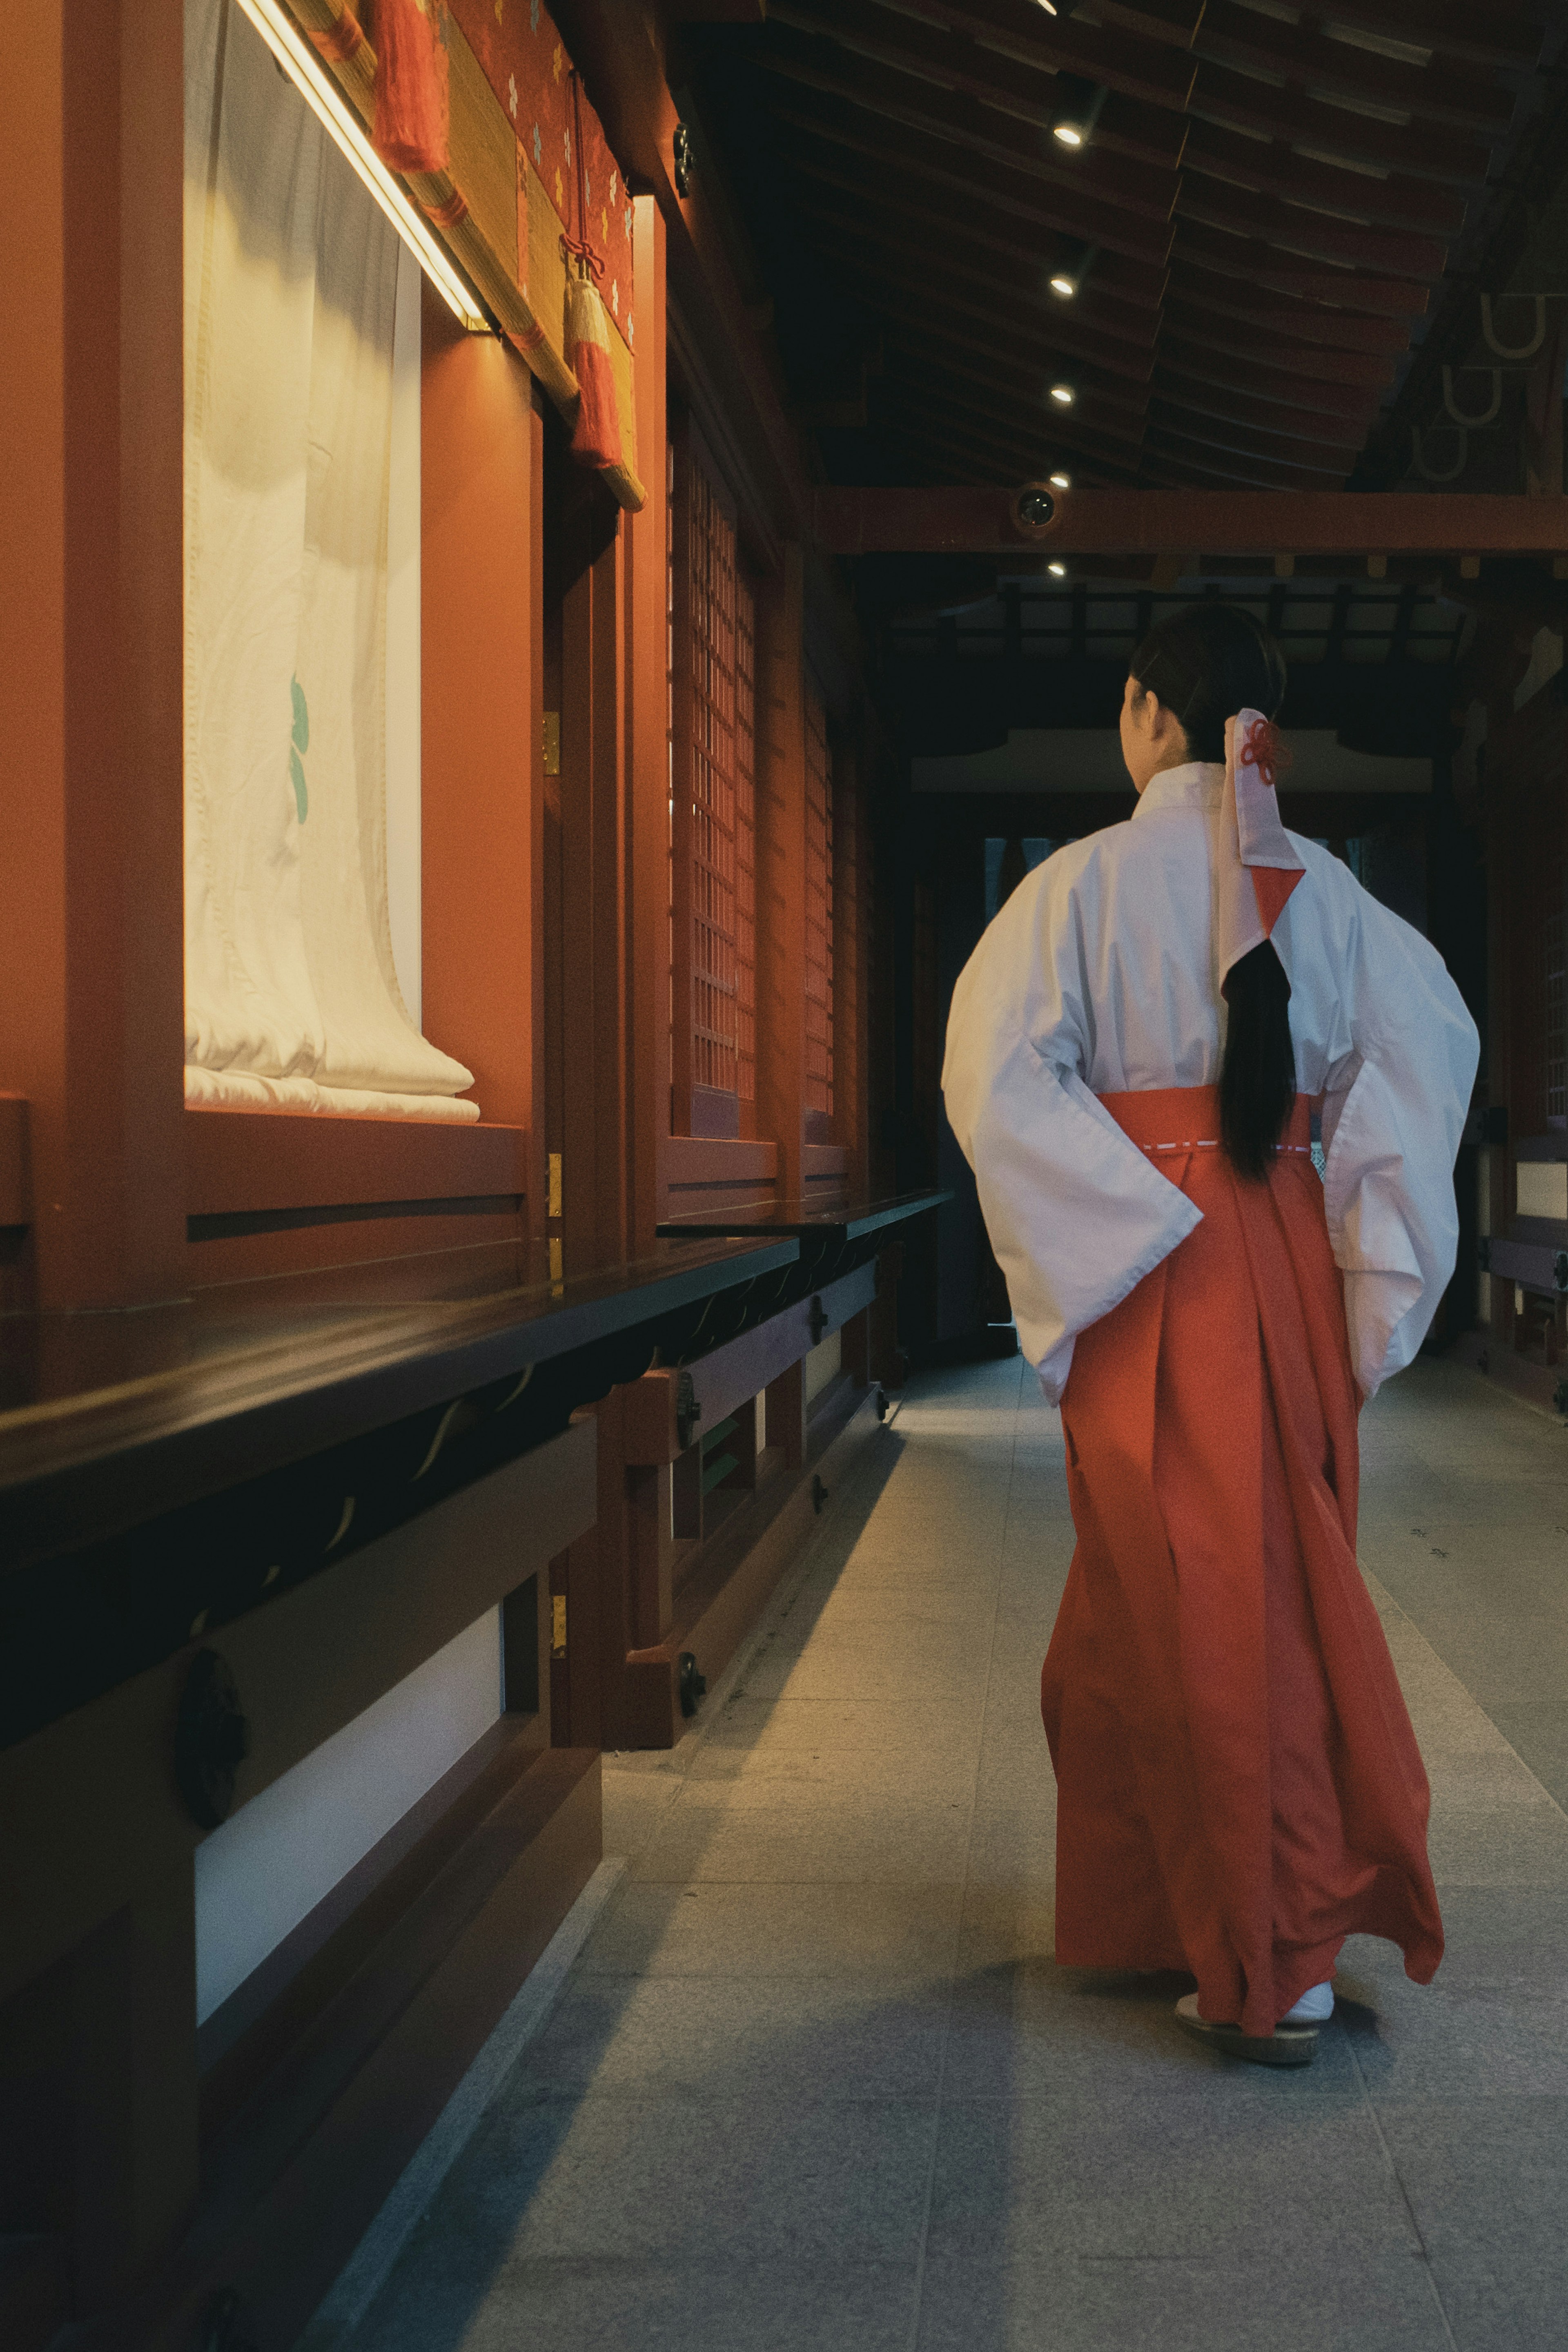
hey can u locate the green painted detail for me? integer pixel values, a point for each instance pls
(298, 743)
(716, 1472)
(713, 1436)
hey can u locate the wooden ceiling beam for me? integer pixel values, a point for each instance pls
(1247, 258)
(1235, 466)
(1130, 289)
(1242, 340)
(1057, 212)
(1018, 460)
(1171, 21)
(1310, 322)
(1024, 93)
(1005, 464)
(1311, 60)
(1098, 396)
(1278, 170)
(1198, 363)
(1491, 33)
(1154, 523)
(1109, 182)
(1295, 230)
(932, 377)
(1317, 454)
(1423, 150)
(928, 450)
(1160, 77)
(1110, 436)
(1057, 330)
(1197, 397)
(1118, 328)
(1001, 461)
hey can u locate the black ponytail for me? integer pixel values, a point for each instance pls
(1207, 662)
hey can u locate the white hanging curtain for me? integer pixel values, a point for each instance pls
(291, 997)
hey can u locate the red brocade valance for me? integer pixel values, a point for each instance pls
(514, 192)
(526, 64)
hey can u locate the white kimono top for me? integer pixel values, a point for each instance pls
(1100, 976)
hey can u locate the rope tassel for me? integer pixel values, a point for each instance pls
(413, 97)
(596, 436)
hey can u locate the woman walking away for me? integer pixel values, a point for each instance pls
(1136, 1052)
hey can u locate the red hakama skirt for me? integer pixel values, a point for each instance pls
(1240, 1788)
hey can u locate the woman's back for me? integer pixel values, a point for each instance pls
(1101, 976)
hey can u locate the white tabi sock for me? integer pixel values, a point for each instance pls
(1314, 2007)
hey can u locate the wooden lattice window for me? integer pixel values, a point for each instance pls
(712, 804)
(710, 688)
(744, 839)
(819, 907)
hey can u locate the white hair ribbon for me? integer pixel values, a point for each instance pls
(1250, 891)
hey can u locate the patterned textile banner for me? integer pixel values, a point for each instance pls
(528, 69)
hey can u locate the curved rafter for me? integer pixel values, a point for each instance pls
(1260, 214)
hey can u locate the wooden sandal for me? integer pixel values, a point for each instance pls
(1288, 2045)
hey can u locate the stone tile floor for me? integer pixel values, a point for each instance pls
(816, 2081)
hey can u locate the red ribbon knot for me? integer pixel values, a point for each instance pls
(1267, 749)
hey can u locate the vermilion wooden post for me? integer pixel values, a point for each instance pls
(481, 820)
(595, 1155)
(91, 951)
(781, 868)
(647, 756)
(682, 700)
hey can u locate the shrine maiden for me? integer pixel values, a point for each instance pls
(1134, 1055)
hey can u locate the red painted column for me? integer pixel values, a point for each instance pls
(481, 603)
(91, 927)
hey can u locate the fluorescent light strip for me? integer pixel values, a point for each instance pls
(347, 132)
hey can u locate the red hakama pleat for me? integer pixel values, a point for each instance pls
(1240, 1788)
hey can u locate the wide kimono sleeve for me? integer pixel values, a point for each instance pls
(1393, 1111)
(1076, 1213)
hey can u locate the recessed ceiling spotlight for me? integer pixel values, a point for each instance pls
(1057, 570)
(1065, 285)
(1062, 482)
(1069, 133)
(1063, 395)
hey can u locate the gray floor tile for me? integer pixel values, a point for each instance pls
(765, 1929)
(837, 1846)
(758, 2037)
(1512, 2308)
(796, 1772)
(1504, 1940)
(1500, 1660)
(843, 1726)
(719, 2305)
(903, 1672)
(1140, 2175)
(1538, 1731)
(671, 2179)
(1486, 2178)
(1354, 2302)
(1442, 2042)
